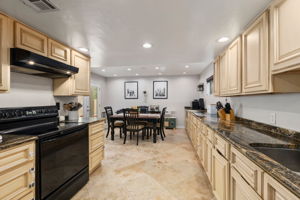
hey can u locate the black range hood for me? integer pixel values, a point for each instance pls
(27, 62)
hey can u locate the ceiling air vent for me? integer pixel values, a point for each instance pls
(40, 5)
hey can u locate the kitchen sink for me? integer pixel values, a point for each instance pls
(288, 157)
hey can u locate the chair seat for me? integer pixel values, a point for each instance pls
(118, 123)
(135, 127)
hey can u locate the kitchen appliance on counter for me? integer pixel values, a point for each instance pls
(198, 104)
(61, 151)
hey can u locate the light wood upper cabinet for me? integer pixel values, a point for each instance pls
(217, 77)
(275, 191)
(31, 40)
(220, 176)
(256, 70)
(82, 79)
(223, 76)
(239, 188)
(6, 32)
(234, 68)
(285, 31)
(59, 52)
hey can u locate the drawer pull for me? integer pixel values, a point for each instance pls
(31, 170)
(31, 185)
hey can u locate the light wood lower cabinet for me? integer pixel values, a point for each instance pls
(96, 145)
(220, 176)
(285, 31)
(207, 158)
(275, 191)
(240, 190)
(17, 172)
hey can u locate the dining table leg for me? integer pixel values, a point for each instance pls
(154, 131)
(112, 129)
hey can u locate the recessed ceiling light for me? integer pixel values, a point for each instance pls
(83, 49)
(129, 69)
(187, 66)
(156, 68)
(103, 70)
(184, 72)
(147, 45)
(31, 62)
(223, 39)
(136, 74)
(115, 75)
(159, 73)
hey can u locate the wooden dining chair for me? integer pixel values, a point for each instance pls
(159, 126)
(118, 124)
(132, 124)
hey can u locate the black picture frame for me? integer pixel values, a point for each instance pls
(127, 85)
(164, 93)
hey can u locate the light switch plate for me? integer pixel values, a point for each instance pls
(273, 118)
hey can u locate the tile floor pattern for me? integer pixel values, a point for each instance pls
(167, 170)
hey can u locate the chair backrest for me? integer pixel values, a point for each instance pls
(162, 117)
(131, 117)
(109, 112)
(143, 109)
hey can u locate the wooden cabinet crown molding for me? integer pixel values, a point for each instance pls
(255, 68)
(285, 31)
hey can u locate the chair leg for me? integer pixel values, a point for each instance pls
(163, 131)
(120, 132)
(147, 132)
(130, 134)
(161, 134)
(108, 131)
(137, 138)
(143, 134)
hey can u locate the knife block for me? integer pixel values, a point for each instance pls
(230, 117)
(222, 114)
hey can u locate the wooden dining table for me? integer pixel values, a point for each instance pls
(153, 118)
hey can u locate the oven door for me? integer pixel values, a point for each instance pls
(62, 157)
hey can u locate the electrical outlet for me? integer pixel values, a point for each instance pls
(273, 118)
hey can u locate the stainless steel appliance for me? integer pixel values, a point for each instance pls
(62, 150)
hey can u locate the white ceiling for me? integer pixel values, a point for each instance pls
(181, 31)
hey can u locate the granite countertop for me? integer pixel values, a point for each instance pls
(87, 120)
(244, 135)
(12, 140)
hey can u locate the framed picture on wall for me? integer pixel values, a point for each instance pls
(160, 89)
(131, 90)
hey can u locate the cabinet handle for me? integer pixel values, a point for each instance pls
(31, 185)
(31, 170)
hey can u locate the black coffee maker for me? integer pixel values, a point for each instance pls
(198, 104)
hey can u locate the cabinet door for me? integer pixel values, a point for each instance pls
(275, 191)
(82, 78)
(234, 68)
(216, 77)
(207, 156)
(5, 40)
(223, 74)
(285, 31)
(240, 190)
(220, 176)
(59, 52)
(256, 71)
(28, 39)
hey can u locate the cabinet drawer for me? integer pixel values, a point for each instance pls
(96, 127)
(17, 182)
(249, 171)
(16, 156)
(28, 39)
(59, 52)
(222, 146)
(240, 188)
(27, 196)
(96, 141)
(95, 159)
(210, 134)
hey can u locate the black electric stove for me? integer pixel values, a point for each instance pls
(61, 149)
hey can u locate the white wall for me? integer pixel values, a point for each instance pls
(182, 90)
(260, 107)
(28, 90)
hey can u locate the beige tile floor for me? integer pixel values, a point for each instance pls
(167, 170)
